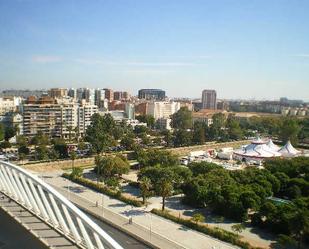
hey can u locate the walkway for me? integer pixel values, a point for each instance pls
(34, 225)
(154, 229)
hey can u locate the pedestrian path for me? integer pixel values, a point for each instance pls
(151, 228)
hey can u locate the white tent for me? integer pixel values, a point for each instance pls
(288, 150)
(257, 150)
(273, 146)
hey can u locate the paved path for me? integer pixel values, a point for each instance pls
(34, 225)
(254, 235)
(152, 228)
(15, 236)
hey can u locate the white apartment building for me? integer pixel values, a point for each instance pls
(9, 104)
(63, 119)
(84, 115)
(161, 109)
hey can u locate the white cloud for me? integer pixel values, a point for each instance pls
(46, 58)
(302, 55)
(137, 63)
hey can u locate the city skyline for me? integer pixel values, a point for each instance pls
(239, 48)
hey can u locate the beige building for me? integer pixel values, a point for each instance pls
(64, 119)
(58, 92)
(9, 104)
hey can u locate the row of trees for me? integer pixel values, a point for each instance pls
(229, 128)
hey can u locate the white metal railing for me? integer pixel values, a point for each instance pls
(53, 208)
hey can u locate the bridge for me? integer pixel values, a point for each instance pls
(51, 208)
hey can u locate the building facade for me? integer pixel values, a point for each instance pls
(209, 99)
(160, 109)
(151, 94)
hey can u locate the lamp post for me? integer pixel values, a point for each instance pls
(102, 205)
(150, 225)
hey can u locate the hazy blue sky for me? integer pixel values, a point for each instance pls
(241, 48)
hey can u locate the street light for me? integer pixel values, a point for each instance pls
(102, 205)
(150, 225)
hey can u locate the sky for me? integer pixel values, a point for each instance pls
(248, 49)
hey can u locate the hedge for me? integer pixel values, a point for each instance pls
(103, 189)
(213, 232)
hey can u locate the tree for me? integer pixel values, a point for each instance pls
(182, 138)
(199, 135)
(234, 129)
(218, 120)
(22, 157)
(40, 139)
(100, 132)
(286, 241)
(168, 138)
(145, 138)
(164, 188)
(127, 142)
(23, 149)
(1, 132)
(9, 132)
(70, 130)
(5, 145)
(299, 224)
(145, 187)
(198, 217)
(73, 156)
(41, 152)
(60, 147)
(238, 228)
(21, 140)
(111, 166)
(289, 130)
(148, 119)
(154, 157)
(182, 119)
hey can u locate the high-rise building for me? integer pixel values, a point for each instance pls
(151, 94)
(85, 113)
(65, 119)
(209, 99)
(121, 95)
(99, 98)
(109, 94)
(46, 118)
(72, 93)
(130, 110)
(90, 95)
(57, 92)
(80, 94)
(117, 95)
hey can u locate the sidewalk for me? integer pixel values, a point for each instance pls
(151, 228)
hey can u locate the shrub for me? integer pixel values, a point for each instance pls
(214, 232)
(103, 189)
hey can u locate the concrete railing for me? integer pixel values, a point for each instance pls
(52, 208)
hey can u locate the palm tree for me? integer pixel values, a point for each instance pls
(145, 186)
(165, 188)
(73, 156)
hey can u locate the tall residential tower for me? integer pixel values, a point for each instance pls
(209, 99)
